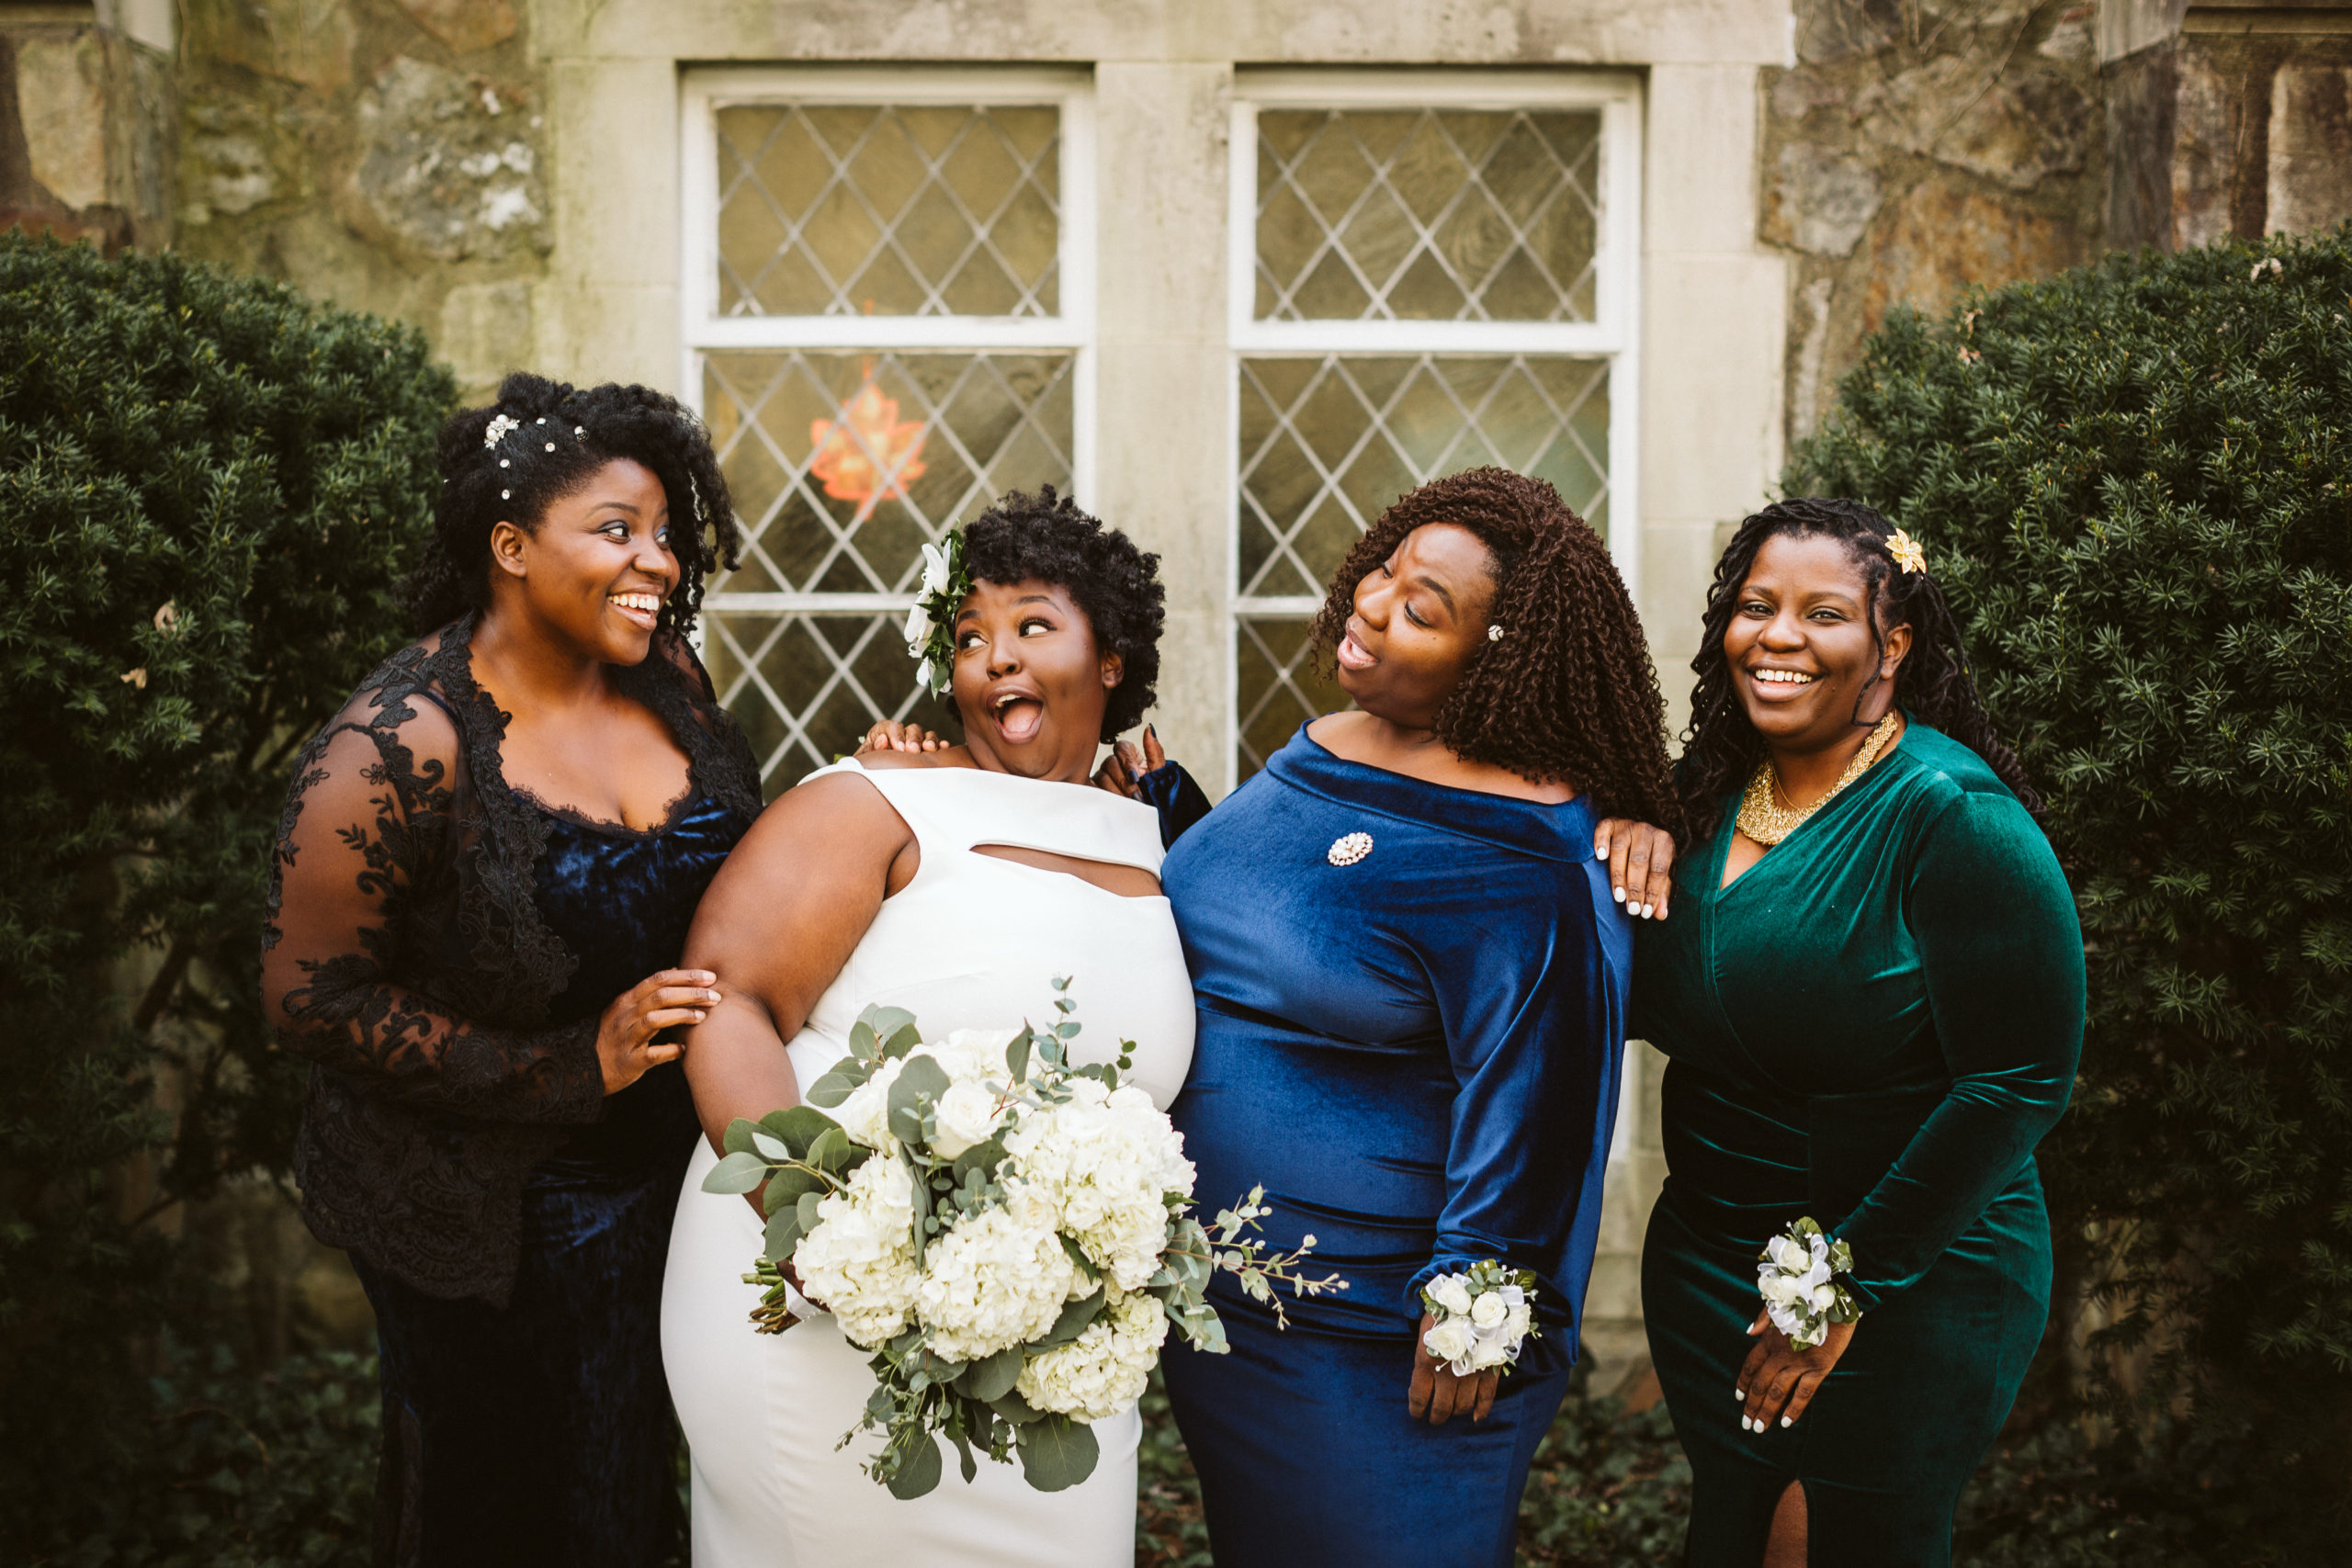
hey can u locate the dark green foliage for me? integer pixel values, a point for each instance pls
(209, 488)
(243, 1470)
(1609, 1488)
(2135, 481)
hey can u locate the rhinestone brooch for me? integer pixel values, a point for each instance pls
(1348, 848)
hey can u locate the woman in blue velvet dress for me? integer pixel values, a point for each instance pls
(483, 880)
(1411, 978)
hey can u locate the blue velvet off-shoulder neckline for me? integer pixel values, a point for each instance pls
(1556, 831)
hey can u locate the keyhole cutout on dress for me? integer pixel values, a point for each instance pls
(1740, 857)
(1127, 881)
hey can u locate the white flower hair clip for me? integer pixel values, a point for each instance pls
(498, 427)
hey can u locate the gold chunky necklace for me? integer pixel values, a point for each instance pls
(1762, 817)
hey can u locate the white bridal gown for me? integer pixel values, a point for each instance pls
(974, 941)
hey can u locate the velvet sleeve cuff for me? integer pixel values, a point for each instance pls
(1170, 791)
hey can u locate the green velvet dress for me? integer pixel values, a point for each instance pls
(1874, 1025)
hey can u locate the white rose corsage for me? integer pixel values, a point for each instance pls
(931, 624)
(1798, 1276)
(1483, 1315)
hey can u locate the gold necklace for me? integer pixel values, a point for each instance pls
(1762, 817)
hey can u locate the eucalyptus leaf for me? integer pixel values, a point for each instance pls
(1056, 1453)
(830, 1149)
(798, 1128)
(964, 1461)
(992, 1379)
(806, 1206)
(885, 1022)
(736, 1173)
(1072, 1322)
(1077, 1255)
(1015, 1411)
(920, 1471)
(983, 1157)
(783, 1237)
(839, 1082)
(787, 1186)
(772, 1147)
(923, 1082)
(1016, 1054)
(900, 1041)
(738, 1140)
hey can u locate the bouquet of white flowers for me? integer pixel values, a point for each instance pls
(1798, 1274)
(1481, 1315)
(1009, 1234)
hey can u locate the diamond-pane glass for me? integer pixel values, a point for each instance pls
(1428, 214)
(1328, 441)
(843, 464)
(843, 210)
(805, 688)
(1280, 686)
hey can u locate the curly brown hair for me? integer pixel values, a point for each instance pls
(1567, 693)
(1721, 747)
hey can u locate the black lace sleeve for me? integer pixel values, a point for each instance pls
(362, 891)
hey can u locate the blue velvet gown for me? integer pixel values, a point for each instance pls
(544, 1424)
(1417, 1055)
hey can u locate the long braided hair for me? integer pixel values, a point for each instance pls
(559, 436)
(1567, 693)
(1721, 748)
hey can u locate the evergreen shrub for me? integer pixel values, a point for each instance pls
(2135, 481)
(209, 486)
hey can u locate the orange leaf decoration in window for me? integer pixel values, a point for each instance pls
(868, 455)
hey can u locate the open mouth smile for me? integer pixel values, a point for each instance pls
(640, 609)
(1351, 654)
(1017, 715)
(1781, 685)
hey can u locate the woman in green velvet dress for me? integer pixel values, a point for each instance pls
(1872, 998)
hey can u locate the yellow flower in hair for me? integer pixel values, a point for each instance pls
(1907, 552)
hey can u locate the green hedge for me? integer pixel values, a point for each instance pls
(2135, 481)
(210, 486)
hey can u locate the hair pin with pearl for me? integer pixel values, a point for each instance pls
(1494, 634)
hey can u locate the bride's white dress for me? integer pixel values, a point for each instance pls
(973, 942)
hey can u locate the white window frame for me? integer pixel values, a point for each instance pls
(1611, 334)
(702, 329)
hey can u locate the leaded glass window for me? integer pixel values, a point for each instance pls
(1437, 276)
(887, 327)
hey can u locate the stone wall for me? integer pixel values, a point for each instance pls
(389, 155)
(1916, 148)
(87, 119)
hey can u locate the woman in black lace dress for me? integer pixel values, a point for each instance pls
(483, 878)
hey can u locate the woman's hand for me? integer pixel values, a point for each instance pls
(1123, 770)
(625, 1036)
(1641, 859)
(1437, 1394)
(1779, 1380)
(890, 735)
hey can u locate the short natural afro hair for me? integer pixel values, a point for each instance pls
(1047, 538)
(1567, 693)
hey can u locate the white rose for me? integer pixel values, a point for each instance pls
(1778, 1290)
(1489, 1309)
(966, 1114)
(1788, 1253)
(1520, 1320)
(1824, 1297)
(1450, 1292)
(866, 1115)
(1450, 1341)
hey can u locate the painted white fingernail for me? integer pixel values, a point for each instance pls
(1788, 1420)
(1620, 893)
(1740, 1394)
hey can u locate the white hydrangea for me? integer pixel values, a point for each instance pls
(1104, 1162)
(1105, 1371)
(995, 1280)
(860, 1260)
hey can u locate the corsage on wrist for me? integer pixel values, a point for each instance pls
(1483, 1315)
(1800, 1276)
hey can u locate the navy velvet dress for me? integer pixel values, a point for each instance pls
(544, 1424)
(1417, 1055)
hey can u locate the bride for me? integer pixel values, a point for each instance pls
(956, 883)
